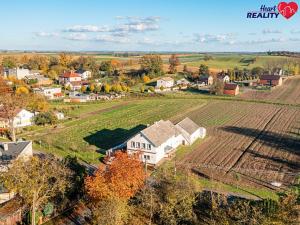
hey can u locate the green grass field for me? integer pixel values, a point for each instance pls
(101, 126)
(230, 61)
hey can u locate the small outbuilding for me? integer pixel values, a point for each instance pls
(231, 89)
(270, 80)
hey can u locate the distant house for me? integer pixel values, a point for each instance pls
(18, 72)
(77, 97)
(162, 138)
(23, 118)
(231, 89)
(165, 82)
(85, 74)
(73, 85)
(206, 80)
(69, 77)
(223, 77)
(49, 92)
(38, 80)
(270, 80)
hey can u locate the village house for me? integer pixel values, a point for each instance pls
(206, 80)
(165, 82)
(49, 92)
(71, 80)
(22, 118)
(84, 74)
(270, 80)
(231, 89)
(223, 77)
(19, 72)
(162, 138)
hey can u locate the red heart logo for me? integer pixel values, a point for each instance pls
(287, 9)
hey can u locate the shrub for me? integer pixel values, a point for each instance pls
(45, 118)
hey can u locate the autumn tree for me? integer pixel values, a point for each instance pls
(64, 59)
(152, 65)
(115, 184)
(217, 87)
(174, 62)
(10, 104)
(22, 90)
(9, 62)
(4, 88)
(36, 181)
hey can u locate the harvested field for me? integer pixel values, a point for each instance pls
(289, 92)
(257, 142)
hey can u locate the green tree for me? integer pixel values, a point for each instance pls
(36, 181)
(9, 62)
(152, 65)
(45, 118)
(203, 70)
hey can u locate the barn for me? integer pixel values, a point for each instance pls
(231, 89)
(270, 80)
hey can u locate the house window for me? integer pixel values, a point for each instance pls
(147, 157)
(133, 144)
(138, 145)
(143, 146)
(148, 146)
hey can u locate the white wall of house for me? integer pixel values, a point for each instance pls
(50, 92)
(26, 153)
(23, 118)
(164, 83)
(85, 75)
(155, 153)
(20, 73)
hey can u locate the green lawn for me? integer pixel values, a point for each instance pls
(107, 128)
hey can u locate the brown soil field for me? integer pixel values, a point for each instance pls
(289, 92)
(251, 143)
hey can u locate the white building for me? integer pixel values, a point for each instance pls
(165, 82)
(49, 92)
(85, 74)
(162, 138)
(23, 118)
(19, 73)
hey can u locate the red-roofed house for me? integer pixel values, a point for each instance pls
(71, 80)
(231, 89)
(270, 80)
(69, 77)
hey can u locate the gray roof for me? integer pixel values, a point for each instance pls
(14, 150)
(188, 125)
(160, 132)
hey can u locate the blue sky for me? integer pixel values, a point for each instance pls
(144, 25)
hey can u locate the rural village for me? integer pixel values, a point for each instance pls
(148, 120)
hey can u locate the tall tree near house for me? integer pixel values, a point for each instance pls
(152, 65)
(9, 105)
(36, 181)
(203, 70)
(113, 186)
(64, 59)
(174, 62)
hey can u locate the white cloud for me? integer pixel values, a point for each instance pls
(86, 28)
(78, 37)
(265, 41)
(213, 38)
(269, 31)
(46, 34)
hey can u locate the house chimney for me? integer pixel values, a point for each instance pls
(5, 146)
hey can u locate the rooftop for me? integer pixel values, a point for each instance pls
(230, 86)
(70, 74)
(270, 77)
(13, 151)
(188, 125)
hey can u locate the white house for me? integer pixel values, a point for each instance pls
(223, 77)
(69, 77)
(23, 118)
(165, 82)
(18, 72)
(59, 115)
(85, 74)
(162, 138)
(49, 92)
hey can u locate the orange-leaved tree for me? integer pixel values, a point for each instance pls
(121, 178)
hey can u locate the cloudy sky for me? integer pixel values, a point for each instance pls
(144, 25)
